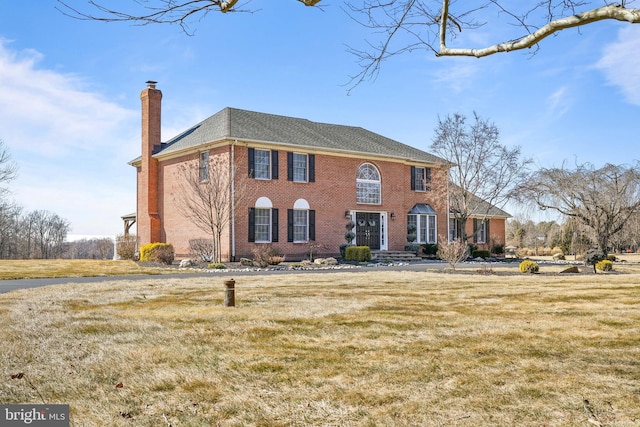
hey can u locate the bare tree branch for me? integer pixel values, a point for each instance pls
(402, 26)
(609, 12)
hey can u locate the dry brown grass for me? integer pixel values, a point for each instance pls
(36, 269)
(332, 349)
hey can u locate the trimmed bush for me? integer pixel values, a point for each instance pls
(604, 265)
(528, 266)
(612, 258)
(343, 249)
(498, 249)
(157, 252)
(430, 249)
(358, 253)
(216, 266)
(480, 253)
(412, 247)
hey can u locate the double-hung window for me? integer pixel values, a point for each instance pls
(263, 225)
(420, 178)
(262, 164)
(480, 231)
(300, 167)
(301, 223)
(263, 222)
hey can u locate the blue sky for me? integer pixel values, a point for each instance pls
(70, 107)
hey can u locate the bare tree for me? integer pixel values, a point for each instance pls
(9, 222)
(484, 173)
(8, 169)
(46, 233)
(403, 26)
(602, 199)
(207, 194)
(452, 252)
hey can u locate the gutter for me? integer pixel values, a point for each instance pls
(233, 200)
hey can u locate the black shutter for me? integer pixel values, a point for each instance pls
(475, 229)
(413, 178)
(289, 225)
(252, 162)
(312, 168)
(274, 164)
(289, 166)
(427, 179)
(312, 225)
(274, 225)
(252, 224)
(486, 231)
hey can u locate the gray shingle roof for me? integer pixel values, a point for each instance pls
(232, 123)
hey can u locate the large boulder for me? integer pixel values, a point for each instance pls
(572, 269)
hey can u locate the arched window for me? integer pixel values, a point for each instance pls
(263, 220)
(301, 222)
(368, 187)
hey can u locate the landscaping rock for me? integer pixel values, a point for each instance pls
(246, 262)
(572, 269)
(185, 263)
(558, 257)
(325, 261)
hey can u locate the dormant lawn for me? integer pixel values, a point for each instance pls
(331, 349)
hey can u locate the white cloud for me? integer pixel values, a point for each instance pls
(48, 112)
(558, 103)
(457, 74)
(620, 63)
(71, 144)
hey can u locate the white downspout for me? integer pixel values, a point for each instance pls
(233, 200)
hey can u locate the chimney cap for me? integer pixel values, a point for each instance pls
(151, 84)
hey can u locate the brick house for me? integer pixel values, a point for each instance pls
(293, 181)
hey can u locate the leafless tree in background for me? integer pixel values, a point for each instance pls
(45, 233)
(484, 173)
(8, 170)
(602, 199)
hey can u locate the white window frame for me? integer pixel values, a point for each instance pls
(259, 172)
(300, 229)
(368, 185)
(481, 232)
(298, 156)
(426, 228)
(262, 229)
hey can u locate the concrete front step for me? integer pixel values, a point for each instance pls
(403, 256)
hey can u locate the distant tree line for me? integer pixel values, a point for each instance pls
(571, 236)
(38, 234)
(96, 248)
(23, 235)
